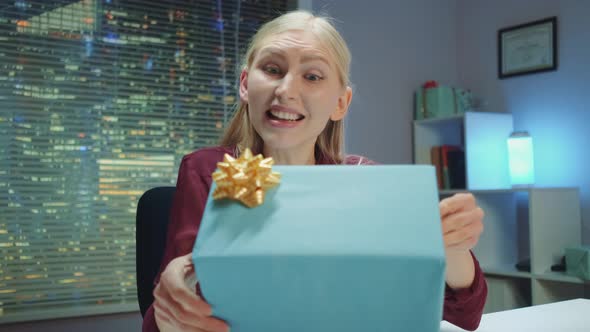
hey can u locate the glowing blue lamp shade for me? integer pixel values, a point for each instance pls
(520, 158)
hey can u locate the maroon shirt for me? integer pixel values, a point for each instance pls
(462, 307)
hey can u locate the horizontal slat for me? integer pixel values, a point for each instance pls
(91, 301)
(35, 273)
(81, 108)
(76, 309)
(205, 52)
(87, 284)
(71, 300)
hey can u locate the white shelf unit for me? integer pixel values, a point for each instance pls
(520, 224)
(483, 136)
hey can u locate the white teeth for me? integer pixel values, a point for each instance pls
(285, 115)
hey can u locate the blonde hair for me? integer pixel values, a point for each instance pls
(329, 146)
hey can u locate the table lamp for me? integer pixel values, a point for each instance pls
(520, 158)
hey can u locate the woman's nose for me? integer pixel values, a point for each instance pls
(287, 87)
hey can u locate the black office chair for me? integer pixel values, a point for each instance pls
(151, 223)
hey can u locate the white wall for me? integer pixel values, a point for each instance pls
(396, 45)
(552, 106)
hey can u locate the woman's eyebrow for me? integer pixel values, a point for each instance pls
(314, 57)
(307, 57)
(272, 51)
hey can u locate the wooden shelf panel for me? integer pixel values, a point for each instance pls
(506, 271)
(504, 191)
(560, 277)
(509, 271)
(521, 223)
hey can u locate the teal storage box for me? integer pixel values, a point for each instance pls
(577, 261)
(435, 102)
(332, 248)
(442, 101)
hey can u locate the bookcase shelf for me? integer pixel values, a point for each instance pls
(491, 191)
(482, 135)
(511, 271)
(560, 277)
(532, 223)
(505, 271)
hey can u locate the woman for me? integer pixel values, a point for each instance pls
(294, 93)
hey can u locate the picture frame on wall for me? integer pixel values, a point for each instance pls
(527, 48)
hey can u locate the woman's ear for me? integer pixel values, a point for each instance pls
(343, 103)
(244, 85)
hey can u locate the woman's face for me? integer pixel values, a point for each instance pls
(292, 89)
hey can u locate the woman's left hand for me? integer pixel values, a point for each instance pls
(462, 222)
(462, 225)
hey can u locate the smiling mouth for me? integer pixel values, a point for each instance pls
(284, 116)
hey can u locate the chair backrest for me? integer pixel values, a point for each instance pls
(151, 223)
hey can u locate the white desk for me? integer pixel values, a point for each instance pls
(566, 316)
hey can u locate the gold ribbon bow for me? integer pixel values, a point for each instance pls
(245, 179)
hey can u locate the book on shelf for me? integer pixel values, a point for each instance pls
(449, 162)
(456, 169)
(436, 160)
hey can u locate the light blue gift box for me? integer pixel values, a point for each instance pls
(333, 248)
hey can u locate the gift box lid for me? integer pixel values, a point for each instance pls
(332, 248)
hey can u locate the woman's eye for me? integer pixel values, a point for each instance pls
(272, 70)
(313, 77)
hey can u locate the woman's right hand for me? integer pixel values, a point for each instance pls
(176, 305)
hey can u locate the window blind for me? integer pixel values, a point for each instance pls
(99, 100)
